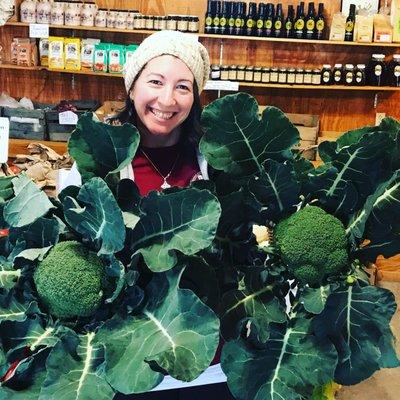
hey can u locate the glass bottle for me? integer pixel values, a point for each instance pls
(208, 18)
(269, 21)
(350, 21)
(394, 71)
(320, 22)
(360, 75)
(337, 74)
(240, 17)
(376, 70)
(310, 21)
(299, 22)
(232, 11)
(278, 22)
(223, 21)
(289, 23)
(326, 74)
(349, 74)
(216, 28)
(251, 20)
(261, 15)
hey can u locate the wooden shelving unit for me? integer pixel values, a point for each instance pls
(19, 146)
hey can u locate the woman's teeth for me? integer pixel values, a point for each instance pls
(162, 115)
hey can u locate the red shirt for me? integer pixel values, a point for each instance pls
(183, 166)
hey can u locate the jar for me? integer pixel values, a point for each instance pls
(249, 74)
(100, 19)
(183, 24)
(299, 76)
(282, 75)
(326, 74)
(307, 77)
(163, 23)
(377, 70)
(43, 12)
(171, 23)
(241, 72)
(88, 12)
(349, 74)
(337, 74)
(257, 74)
(129, 20)
(28, 11)
(224, 73)
(316, 77)
(57, 13)
(72, 14)
(394, 71)
(111, 18)
(274, 75)
(120, 20)
(149, 22)
(137, 21)
(360, 76)
(265, 75)
(291, 76)
(215, 73)
(232, 73)
(193, 24)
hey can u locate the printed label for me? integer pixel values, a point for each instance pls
(378, 70)
(320, 25)
(349, 26)
(278, 25)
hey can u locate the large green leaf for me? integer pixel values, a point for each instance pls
(8, 275)
(237, 141)
(291, 363)
(29, 203)
(75, 371)
(6, 188)
(13, 310)
(101, 149)
(100, 219)
(357, 319)
(185, 221)
(175, 331)
(314, 299)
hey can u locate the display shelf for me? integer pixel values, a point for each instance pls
(210, 36)
(19, 146)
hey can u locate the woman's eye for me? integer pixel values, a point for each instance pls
(183, 87)
(155, 82)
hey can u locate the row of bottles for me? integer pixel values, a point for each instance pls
(264, 20)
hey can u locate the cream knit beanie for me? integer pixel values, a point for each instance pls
(179, 44)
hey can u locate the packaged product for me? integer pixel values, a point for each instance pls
(130, 51)
(364, 29)
(44, 52)
(87, 53)
(395, 19)
(382, 29)
(72, 54)
(25, 50)
(100, 57)
(116, 58)
(56, 52)
(338, 27)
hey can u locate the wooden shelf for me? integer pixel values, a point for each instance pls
(209, 36)
(19, 146)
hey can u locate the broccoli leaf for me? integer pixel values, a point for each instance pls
(19, 211)
(291, 362)
(356, 319)
(75, 371)
(237, 141)
(314, 299)
(13, 310)
(100, 149)
(100, 220)
(6, 188)
(8, 275)
(175, 331)
(184, 220)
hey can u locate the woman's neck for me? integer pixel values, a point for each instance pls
(148, 139)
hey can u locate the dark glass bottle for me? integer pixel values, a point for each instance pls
(289, 23)
(394, 71)
(232, 11)
(250, 28)
(216, 28)
(239, 19)
(337, 74)
(376, 70)
(261, 15)
(320, 23)
(310, 21)
(350, 21)
(278, 23)
(209, 17)
(326, 74)
(223, 21)
(299, 22)
(269, 20)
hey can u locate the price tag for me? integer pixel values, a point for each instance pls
(222, 85)
(67, 118)
(39, 30)
(4, 135)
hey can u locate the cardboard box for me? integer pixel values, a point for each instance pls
(383, 31)
(395, 20)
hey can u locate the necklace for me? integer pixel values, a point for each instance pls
(165, 184)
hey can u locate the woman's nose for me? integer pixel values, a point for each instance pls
(167, 96)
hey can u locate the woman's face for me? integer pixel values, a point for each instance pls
(163, 94)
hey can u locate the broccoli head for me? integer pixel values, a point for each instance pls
(312, 243)
(69, 281)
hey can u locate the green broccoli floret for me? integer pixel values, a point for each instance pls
(69, 281)
(312, 243)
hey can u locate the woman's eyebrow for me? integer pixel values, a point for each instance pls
(163, 77)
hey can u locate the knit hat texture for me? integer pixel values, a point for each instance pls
(179, 44)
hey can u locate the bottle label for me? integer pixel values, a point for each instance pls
(397, 71)
(268, 24)
(349, 26)
(278, 25)
(222, 21)
(326, 76)
(378, 70)
(320, 25)
(260, 24)
(349, 77)
(242, 22)
(238, 22)
(300, 24)
(216, 21)
(337, 76)
(209, 21)
(231, 22)
(310, 25)
(250, 23)
(359, 77)
(289, 25)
